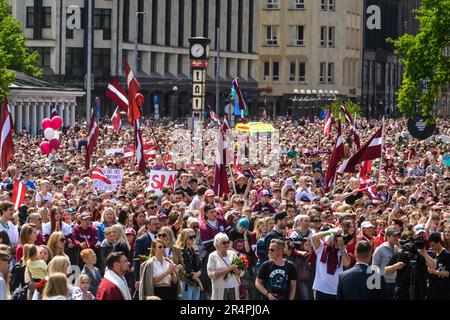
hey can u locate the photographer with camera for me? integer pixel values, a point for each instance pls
(332, 257)
(411, 267)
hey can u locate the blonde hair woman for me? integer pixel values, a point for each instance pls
(120, 241)
(192, 264)
(165, 234)
(57, 243)
(56, 287)
(260, 229)
(158, 274)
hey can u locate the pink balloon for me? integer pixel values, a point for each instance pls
(45, 147)
(46, 123)
(56, 122)
(55, 144)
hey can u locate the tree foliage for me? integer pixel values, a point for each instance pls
(14, 52)
(352, 107)
(426, 69)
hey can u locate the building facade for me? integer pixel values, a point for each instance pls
(310, 52)
(382, 71)
(163, 66)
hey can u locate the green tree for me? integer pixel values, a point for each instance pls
(426, 69)
(352, 107)
(14, 52)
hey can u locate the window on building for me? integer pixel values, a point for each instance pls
(179, 64)
(331, 5)
(272, 4)
(266, 71)
(292, 67)
(276, 71)
(47, 17)
(330, 74)
(299, 4)
(322, 72)
(323, 5)
(30, 17)
(250, 69)
(139, 61)
(152, 62)
(101, 62)
(323, 36)
(299, 35)
(302, 72)
(75, 62)
(271, 35)
(44, 56)
(331, 31)
(166, 63)
(102, 21)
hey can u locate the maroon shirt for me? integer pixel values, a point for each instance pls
(89, 235)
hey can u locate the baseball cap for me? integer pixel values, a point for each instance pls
(265, 208)
(280, 216)
(130, 231)
(265, 193)
(366, 224)
(162, 216)
(391, 232)
(420, 228)
(289, 182)
(209, 193)
(85, 216)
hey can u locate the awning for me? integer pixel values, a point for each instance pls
(255, 127)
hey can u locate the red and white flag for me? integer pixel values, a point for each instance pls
(6, 137)
(116, 94)
(371, 150)
(349, 123)
(239, 95)
(133, 88)
(213, 115)
(18, 196)
(393, 178)
(97, 174)
(337, 155)
(348, 117)
(329, 121)
(54, 112)
(371, 192)
(223, 156)
(93, 135)
(139, 143)
(116, 121)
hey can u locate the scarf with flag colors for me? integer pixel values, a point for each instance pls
(6, 136)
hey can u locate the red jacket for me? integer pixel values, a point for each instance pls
(80, 235)
(108, 291)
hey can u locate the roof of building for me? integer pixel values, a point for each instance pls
(27, 82)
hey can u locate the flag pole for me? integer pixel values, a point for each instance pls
(232, 176)
(334, 182)
(382, 151)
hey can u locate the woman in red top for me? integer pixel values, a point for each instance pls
(28, 235)
(350, 240)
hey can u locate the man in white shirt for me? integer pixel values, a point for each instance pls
(6, 212)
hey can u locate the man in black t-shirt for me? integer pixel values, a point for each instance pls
(277, 278)
(439, 288)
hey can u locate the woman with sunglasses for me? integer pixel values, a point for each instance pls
(158, 274)
(225, 276)
(192, 264)
(165, 234)
(57, 243)
(139, 218)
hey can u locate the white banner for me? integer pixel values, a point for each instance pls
(115, 175)
(162, 179)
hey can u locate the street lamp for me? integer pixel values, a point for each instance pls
(136, 39)
(174, 101)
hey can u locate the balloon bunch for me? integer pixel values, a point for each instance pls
(51, 133)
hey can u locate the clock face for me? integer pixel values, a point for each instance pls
(197, 50)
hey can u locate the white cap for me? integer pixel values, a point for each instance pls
(366, 224)
(289, 182)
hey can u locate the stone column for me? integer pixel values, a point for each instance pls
(26, 110)
(40, 115)
(66, 112)
(33, 119)
(19, 116)
(12, 110)
(72, 113)
(47, 109)
(60, 109)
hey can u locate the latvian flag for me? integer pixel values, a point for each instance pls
(372, 193)
(371, 150)
(54, 111)
(18, 194)
(115, 93)
(240, 107)
(213, 115)
(116, 121)
(97, 174)
(329, 121)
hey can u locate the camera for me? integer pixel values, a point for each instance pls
(419, 243)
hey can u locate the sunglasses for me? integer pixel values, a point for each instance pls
(191, 237)
(195, 227)
(63, 239)
(162, 235)
(226, 243)
(6, 260)
(271, 250)
(152, 207)
(316, 221)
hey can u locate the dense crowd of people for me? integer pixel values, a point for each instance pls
(276, 236)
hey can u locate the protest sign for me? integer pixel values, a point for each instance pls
(114, 175)
(161, 179)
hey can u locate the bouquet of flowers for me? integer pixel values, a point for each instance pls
(241, 262)
(142, 259)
